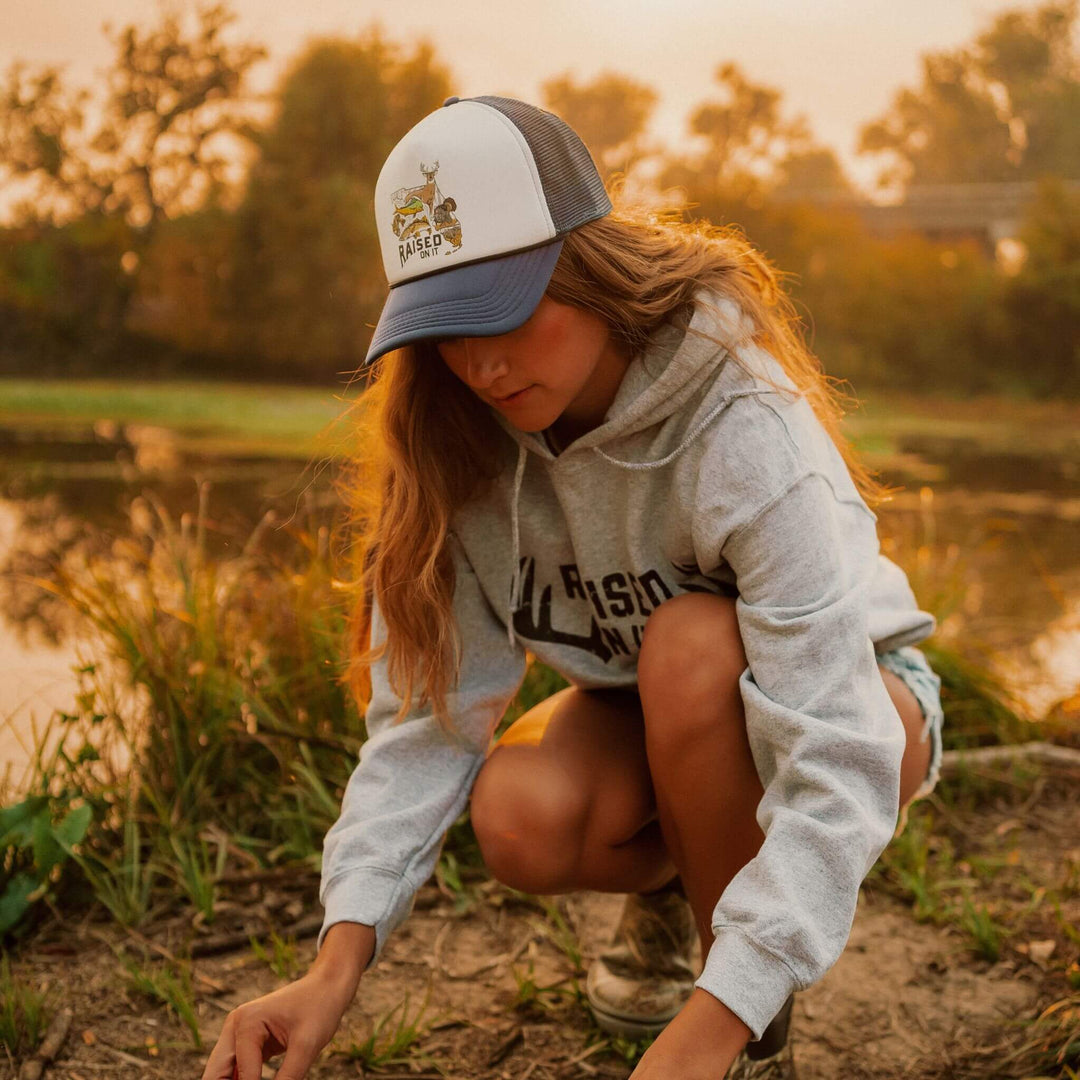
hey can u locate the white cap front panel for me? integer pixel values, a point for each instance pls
(461, 185)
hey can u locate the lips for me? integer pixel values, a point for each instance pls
(511, 397)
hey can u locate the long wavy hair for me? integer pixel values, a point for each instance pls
(427, 444)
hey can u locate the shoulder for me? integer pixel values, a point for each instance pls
(766, 438)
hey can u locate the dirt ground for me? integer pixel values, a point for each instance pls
(906, 998)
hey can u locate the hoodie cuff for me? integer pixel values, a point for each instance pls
(370, 895)
(752, 982)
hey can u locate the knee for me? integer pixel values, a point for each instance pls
(529, 822)
(689, 666)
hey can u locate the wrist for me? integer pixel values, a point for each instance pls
(716, 1023)
(346, 951)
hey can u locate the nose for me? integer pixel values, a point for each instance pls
(485, 361)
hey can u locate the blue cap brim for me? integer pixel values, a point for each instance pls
(476, 300)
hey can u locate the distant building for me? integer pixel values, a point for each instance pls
(988, 213)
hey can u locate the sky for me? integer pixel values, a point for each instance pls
(839, 62)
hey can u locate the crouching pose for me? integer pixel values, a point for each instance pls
(597, 440)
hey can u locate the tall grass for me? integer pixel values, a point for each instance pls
(212, 728)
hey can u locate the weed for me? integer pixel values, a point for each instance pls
(448, 873)
(918, 871)
(169, 985)
(630, 1050)
(988, 936)
(395, 1050)
(283, 963)
(123, 879)
(1054, 1042)
(535, 999)
(216, 680)
(34, 848)
(556, 929)
(197, 878)
(24, 1013)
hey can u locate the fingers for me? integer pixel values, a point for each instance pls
(250, 1036)
(238, 1054)
(221, 1064)
(298, 1058)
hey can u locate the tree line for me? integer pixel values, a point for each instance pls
(180, 224)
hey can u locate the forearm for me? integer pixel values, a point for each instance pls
(345, 954)
(699, 1044)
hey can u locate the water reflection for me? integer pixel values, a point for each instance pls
(989, 541)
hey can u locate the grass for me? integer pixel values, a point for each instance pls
(169, 984)
(957, 868)
(995, 423)
(399, 1046)
(281, 958)
(25, 1013)
(237, 417)
(218, 677)
(213, 417)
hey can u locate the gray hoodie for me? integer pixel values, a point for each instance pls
(701, 478)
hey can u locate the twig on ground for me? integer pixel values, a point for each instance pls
(435, 960)
(505, 1046)
(50, 1046)
(953, 761)
(308, 926)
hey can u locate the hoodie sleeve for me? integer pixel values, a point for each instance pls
(825, 737)
(413, 781)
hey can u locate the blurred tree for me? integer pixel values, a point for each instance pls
(1006, 107)
(815, 169)
(609, 113)
(749, 150)
(307, 278)
(156, 151)
(1043, 299)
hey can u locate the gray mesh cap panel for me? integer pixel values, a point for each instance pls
(572, 186)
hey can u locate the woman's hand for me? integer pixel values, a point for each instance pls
(700, 1043)
(300, 1019)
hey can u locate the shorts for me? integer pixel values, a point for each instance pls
(908, 663)
(911, 665)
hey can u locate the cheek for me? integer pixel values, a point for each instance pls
(454, 363)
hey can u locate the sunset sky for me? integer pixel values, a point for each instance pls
(837, 61)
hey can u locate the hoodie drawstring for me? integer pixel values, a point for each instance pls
(697, 430)
(519, 475)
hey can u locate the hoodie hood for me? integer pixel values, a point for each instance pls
(677, 377)
(661, 379)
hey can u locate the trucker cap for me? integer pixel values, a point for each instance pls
(471, 207)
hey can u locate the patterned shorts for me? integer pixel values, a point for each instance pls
(911, 665)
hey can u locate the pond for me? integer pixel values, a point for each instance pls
(989, 524)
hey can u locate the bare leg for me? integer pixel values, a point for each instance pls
(706, 785)
(623, 789)
(570, 804)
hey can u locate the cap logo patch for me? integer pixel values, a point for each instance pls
(424, 220)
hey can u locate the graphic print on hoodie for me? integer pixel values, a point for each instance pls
(701, 477)
(620, 602)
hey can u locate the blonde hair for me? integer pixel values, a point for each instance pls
(428, 444)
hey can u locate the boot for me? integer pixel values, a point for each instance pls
(637, 985)
(771, 1056)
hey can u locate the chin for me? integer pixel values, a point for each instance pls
(531, 422)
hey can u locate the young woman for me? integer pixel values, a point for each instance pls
(600, 442)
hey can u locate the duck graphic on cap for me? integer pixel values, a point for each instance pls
(424, 216)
